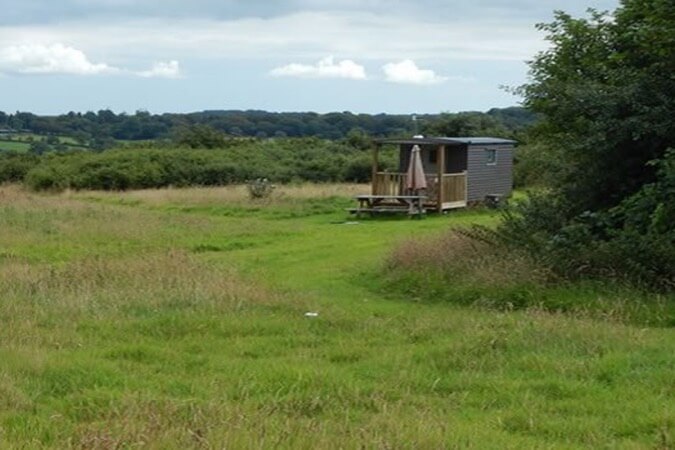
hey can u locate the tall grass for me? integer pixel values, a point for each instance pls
(117, 330)
(457, 257)
(456, 267)
(233, 194)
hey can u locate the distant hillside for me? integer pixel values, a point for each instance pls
(514, 117)
(142, 125)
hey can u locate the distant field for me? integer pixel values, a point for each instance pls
(29, 137)
(14, 146)
(176, 319)
(22, 141)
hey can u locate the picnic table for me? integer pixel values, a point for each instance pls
(373, 204)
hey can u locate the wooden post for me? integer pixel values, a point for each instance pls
(376, 150)
(466, 187)
(441, 170)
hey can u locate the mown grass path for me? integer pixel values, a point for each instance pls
(177, 319)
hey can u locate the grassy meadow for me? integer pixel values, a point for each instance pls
(14, 146)
(176, 318)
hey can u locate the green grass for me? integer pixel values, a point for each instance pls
(15, 146)
(22, 144)
(30, 137)
(176, 319)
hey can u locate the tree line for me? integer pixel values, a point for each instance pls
(105, 125)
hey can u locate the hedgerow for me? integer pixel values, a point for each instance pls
(279, 160)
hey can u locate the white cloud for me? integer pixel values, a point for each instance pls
(58, 58)
(298, 36)
(407, 72)
(168, 69)
(325, 68)
(46, 59)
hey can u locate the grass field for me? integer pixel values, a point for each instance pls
(15, 146)
(30, 137)
(176, 319)
(21, 142)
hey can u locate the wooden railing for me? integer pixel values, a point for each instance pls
(453, 186)
(389, 183)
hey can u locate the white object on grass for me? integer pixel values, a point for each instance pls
(311, 314)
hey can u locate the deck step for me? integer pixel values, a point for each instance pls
(454, 205)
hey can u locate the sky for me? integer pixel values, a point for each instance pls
(364, 56)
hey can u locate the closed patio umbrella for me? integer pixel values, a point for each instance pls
(416, 179)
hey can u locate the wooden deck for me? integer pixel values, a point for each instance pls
(452, 188)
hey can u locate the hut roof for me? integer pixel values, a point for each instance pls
(446, 141)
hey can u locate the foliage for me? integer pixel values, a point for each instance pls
(14, 166)
(472, 266)
(535, 165)
(97, 128)
(634, 241)
(200, 136)
(156, 154)
(466, 124)
(39, 147)
(280, 160)
(358, 169)
(604, 90)
(260, 188)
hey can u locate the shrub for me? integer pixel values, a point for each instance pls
(278, 160)
(14, 166)
(634, 241)
(535, 165)
(260, 188)
(358, 169)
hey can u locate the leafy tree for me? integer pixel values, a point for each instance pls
(15, 165)
(606, 93)
(143, 125)
(39, 148)
(200, 136)
(101, 143)
(358, 139)
(52, 140)
(81, 137)
(465, 124)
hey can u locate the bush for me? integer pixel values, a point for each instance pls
(279, 160)
(260, 188)
(15, 166)
(534, 165)
(634, 241)
(358, 169)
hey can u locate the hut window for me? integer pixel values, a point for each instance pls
(433, 156)
(491, 156)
